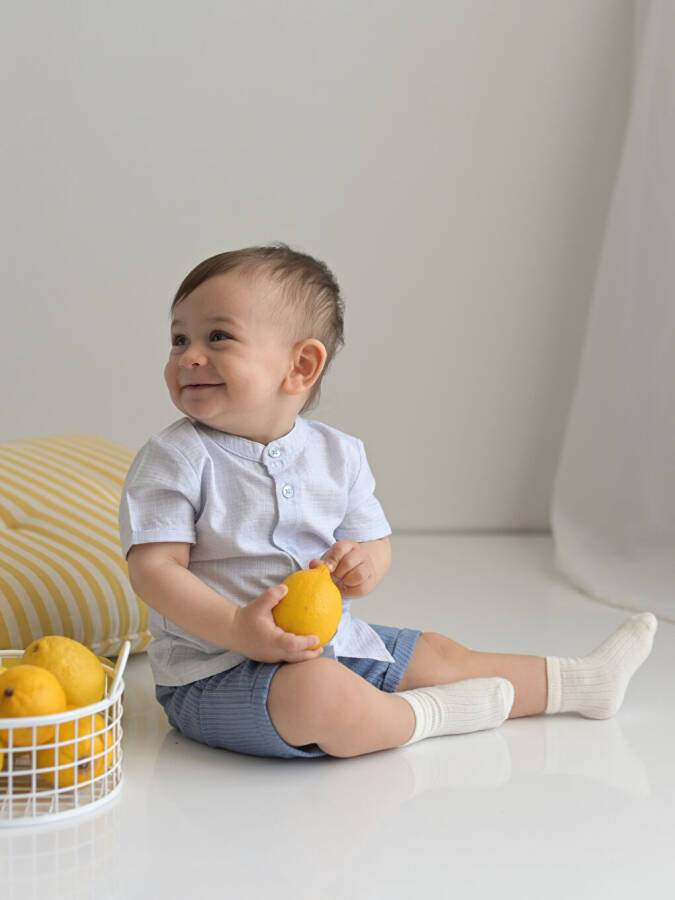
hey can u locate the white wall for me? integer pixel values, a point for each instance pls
(452, 162)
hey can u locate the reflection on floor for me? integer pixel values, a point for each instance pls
(556, 806)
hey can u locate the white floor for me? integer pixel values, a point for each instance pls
(555, 807)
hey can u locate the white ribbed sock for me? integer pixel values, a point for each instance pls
(595, 685)
(460, 707)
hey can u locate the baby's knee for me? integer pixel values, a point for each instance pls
(444, 647)
(318, 686)
(312, 695)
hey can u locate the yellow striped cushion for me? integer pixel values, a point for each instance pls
(61, 564)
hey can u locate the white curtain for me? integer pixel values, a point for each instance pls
(613, 508)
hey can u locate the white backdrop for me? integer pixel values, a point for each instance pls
(614, 503)
(452, 162)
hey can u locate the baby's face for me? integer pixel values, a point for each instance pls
(227, 361)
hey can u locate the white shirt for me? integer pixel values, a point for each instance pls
(254, 514)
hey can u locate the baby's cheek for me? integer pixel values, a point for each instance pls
(170, 375)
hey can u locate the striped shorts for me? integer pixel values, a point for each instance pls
(229, 709)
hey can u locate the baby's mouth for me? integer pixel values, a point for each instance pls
(200, 387)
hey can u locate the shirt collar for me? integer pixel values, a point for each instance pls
(288, 445)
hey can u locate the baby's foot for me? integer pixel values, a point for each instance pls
(595, 685)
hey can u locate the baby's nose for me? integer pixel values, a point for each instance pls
(192, 356)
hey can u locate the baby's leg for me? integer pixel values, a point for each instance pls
(323, 702)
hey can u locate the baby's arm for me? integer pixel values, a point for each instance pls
(357, 568)
(158, 573)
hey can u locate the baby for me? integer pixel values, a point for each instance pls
(223, 504)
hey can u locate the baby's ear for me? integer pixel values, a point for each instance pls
(309, 359)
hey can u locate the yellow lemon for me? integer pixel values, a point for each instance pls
(81, 756)
(77, 668)
(29, 691)
(312, 605)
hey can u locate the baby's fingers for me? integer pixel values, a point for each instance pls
(313, 563)
(271, 596)
(300, 642)
(301, 645)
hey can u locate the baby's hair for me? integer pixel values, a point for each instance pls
(309, 304)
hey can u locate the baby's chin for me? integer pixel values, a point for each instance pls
(215, 422)
(189, 413)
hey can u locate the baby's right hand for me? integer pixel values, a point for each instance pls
(257, 635)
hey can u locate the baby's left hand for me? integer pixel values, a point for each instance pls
(351, 568)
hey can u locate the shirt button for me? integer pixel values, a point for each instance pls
(287, 491)
(274, 451)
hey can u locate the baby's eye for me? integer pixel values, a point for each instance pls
(217, 335)
(177, 340)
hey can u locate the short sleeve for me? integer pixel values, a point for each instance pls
(161, 497)
(364, 519)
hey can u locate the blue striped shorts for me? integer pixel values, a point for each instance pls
(229, 709)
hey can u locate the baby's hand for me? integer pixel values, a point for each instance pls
(351, 567)
(257, 635)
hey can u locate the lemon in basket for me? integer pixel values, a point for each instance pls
(78, 669)
(312, 605)
(29, 691)
(78, 757)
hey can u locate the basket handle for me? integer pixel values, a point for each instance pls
(120, 665)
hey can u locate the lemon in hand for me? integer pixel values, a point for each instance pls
(77, 759)
(312, 605)
(29, 691)
(76, 667)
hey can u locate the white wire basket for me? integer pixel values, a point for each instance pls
(76, 768)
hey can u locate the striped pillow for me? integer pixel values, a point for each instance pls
(61, 564)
